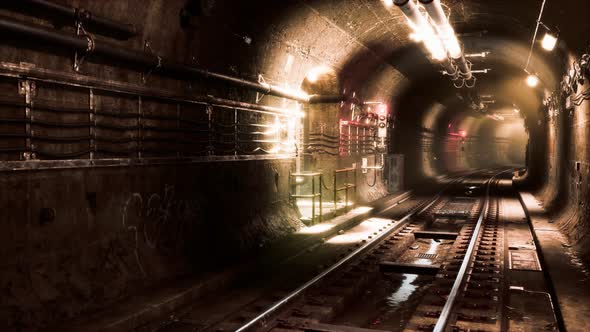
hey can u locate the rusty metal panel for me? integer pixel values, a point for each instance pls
(426, 256)
(60, 121)
(524, 260)
(457, 208)
(395, 172)
(13, 126)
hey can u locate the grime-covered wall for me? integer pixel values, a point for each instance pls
(87, 223)
(448, 141)
(576, 221)
(480, 142)
(566, 188)
(78, 239)
(559, 156)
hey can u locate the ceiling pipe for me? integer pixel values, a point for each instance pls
(92, 22)
(448, 36)
(431, 40)
(155, 63)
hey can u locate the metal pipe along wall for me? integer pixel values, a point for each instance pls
(149, 61)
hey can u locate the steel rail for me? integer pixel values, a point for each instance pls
(400, 224)
(443, 319)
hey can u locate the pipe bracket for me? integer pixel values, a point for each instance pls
(91, 44)
(157, 66)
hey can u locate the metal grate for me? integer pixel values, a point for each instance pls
(457, 208)
(427, 256)
(524, 260)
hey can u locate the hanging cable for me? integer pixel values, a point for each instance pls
(528, 61)
(371, 185)
(374, 175)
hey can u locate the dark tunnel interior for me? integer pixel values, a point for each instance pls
(295, 165)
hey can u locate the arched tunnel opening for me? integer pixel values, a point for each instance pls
(300, 165)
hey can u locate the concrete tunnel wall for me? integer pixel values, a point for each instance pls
(565, 190)
(82, 238)
(434, 145)
(78, 239)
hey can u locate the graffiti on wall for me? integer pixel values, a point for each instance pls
(161, 221)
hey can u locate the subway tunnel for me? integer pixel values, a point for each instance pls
(297, 165)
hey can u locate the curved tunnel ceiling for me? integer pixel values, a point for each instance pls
(376, 58)
(367, 43)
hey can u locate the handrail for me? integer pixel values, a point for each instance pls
(314, 195)
(346, 186)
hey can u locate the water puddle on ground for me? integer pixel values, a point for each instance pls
(388, 304)
(392, 299)
(406, 289)
(399, 306)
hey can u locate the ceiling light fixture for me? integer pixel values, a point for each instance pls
(316, 73)
(532, 81)
(549, 42)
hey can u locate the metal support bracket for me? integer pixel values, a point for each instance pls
(92, 119)
(148, 49)
(28, 89)
(259, 95)
(210, 125)
(80, 31)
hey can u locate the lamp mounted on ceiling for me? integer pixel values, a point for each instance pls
(548, 43)
(532, 80)
(550, 39)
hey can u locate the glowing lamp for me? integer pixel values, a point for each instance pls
(415, 37)
(388, 3)
(314, 74)
(532, 81)
(462, 133)
(549, 42)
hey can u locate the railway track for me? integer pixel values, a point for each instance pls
(467, 293)
(454, 239)
(324, 297)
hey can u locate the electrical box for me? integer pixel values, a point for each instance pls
(395, 172)
(382, 126)
(382, 121)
